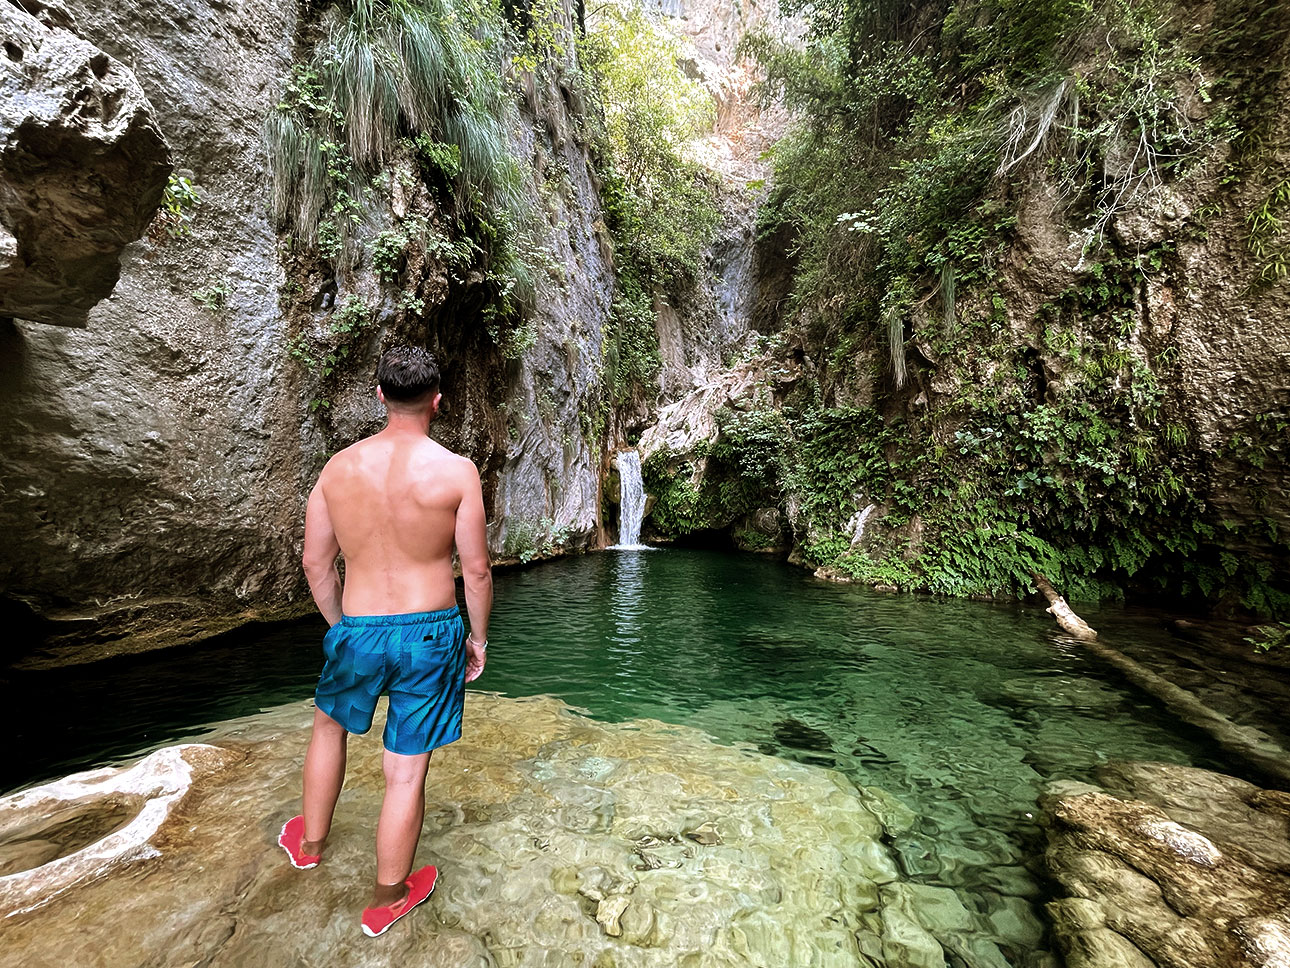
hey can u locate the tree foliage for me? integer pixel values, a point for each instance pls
(660, 203)
(912, 111)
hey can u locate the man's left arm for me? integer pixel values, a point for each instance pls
(319, 559)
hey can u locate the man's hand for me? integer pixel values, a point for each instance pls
(476, 655)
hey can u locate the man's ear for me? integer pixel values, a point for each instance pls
(380, 394)
(434, 406)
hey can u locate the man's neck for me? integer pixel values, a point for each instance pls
(399, 424)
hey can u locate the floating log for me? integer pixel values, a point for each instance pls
(1065, 615)
(1253, 745)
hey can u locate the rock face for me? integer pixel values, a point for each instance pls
(719, 319)
(153, 463)
(547, 435)
(1181, 868)
(559, 841)
(82, 165)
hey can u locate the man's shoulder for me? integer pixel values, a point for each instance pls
(442, 458)
(344, 457)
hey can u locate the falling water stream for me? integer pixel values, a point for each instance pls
(631, 506)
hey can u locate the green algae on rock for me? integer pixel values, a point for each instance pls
(560, 841)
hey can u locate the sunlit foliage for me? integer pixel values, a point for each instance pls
(659, 200)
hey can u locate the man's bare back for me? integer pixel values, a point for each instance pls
(397, 503)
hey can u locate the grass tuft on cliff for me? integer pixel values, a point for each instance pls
(388, 72)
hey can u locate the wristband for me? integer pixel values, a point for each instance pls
(482, 646)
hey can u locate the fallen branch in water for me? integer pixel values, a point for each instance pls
(1057, 607)
(1254, 746)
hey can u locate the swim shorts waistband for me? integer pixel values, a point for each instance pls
(411, 618)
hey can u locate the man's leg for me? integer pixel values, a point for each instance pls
(400, 824)
(324, 776)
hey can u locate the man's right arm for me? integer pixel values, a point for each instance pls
(471, 538)
(319, 557)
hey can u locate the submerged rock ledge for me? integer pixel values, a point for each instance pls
(565, 841)
(560, 841)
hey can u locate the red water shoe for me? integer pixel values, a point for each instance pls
(377, 920)
(293, 833)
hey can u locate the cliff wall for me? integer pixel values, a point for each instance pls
(155, 463)
(1024, 334)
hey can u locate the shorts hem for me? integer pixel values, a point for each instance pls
(331, 714)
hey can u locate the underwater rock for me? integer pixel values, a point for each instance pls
(537, 820)
(1192, 875)
(706, 834)
(924, 922)
(798, 735)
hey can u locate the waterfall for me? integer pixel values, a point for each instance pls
(631, 501)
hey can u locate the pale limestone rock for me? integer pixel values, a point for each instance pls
(60, 834)
(535, 819)
(1197, 880)
(608, 913)
(82, 169)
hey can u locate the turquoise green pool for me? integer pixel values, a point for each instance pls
(961, 711)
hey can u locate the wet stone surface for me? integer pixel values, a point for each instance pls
(560, 840)
(1170, 865)
(36, 839)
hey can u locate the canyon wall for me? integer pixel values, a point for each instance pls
(1007, 381)
(154, 464)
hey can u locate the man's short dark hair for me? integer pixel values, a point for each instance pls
(406, 374)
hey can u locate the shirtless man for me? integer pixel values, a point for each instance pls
(394, 504)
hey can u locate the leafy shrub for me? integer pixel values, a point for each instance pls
(214, 295)
(912, 118)
(178, 203)
(659, 204)
(1269, 637)
(387, 251)
(527, 539)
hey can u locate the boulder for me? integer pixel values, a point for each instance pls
(1193, 875)
(83, 168)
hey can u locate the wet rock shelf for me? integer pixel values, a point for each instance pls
(1171, 865)
(560, 841)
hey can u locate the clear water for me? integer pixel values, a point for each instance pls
(960, 710)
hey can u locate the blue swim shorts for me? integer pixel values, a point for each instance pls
(419, 659)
